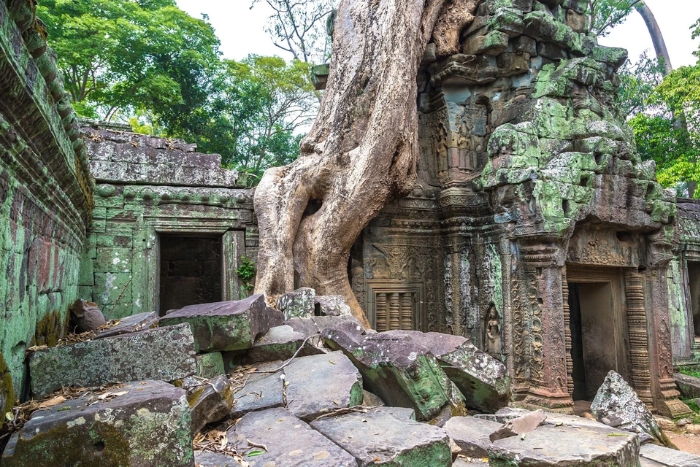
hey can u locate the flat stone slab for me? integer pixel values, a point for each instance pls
(481, 378)
(289, 442)
(507, 414)
(322, 383)
(398, 370)
(214, 459)
(144, 423)
(378, 438)
(566, 446)
(260, 392)
(689, 386)
(280, 343)
(668, 457)
(134, 323)
(225, 326)
(471, 434)
(164, 354)
(315, 325)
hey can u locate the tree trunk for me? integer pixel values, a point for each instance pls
(656, 37)
(361, 151)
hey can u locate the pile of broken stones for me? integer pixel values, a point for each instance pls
(240, 383)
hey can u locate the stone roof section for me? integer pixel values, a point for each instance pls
(129, 158)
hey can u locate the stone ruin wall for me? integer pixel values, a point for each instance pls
(45, 196)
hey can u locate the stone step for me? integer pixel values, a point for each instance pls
(659, 455)
(281, 439)
(144, 423)
(379, 438)
(165, 354)
(226, 326)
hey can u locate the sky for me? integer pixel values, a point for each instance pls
(241, 29)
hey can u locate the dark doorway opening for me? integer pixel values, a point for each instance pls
(593, 340)
(694, 286)
(190, 271)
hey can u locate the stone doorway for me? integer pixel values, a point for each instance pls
(190, 270)
(598, 329)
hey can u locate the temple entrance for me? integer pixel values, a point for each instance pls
(190, 271)
(598, 329)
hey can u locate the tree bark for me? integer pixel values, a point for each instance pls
(361, 151)
(656, 37)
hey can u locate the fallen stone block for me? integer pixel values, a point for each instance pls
(299, 303)
(689, 386)
(85, 316)
(320, 384)
(482, 379)
(210, 365)
(134, 323)
(378, 438)
(164, 354)
(280, 343)
(224, 326)
(617, 405)
(317, 324)
(259, 393)
(566, 446)
(520, 426)
(210, 402)
(369, 399)
(471, 434)
(668, 457)
(331, 305)
(401, 372)
(145, 424)
(287, 441)
(402, 413)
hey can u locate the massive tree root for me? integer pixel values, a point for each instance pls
(362, 149)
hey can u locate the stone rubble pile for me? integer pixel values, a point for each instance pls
(304, 385)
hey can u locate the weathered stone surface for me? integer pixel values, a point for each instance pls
(166, 354)
(315, 325)
(618, 406)
(259, 393)
(668, 457)
(289, 441)
(482, 379)
(280, 343)
(471, 434)
(214, 459)
(369, 399)
(331, 305)
(378, 438)
(297, 304)
(134, 323)
(520, 426)
(210, 365)
(402, 413)
(319, 384)
(689, 386)
(210, 402)
(85, 316)
(144, 423)
(400, 371)
(224, 326)
(566, 446)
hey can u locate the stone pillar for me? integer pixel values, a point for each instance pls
(567, 334)
(543, 270)
(638, 341)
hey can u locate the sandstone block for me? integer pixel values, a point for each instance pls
(471, 434)
(259, 393)
(134, 323)
(145, 424)
(689, 386)
(668, 457)
(210, 402)
(377, 438)
(280, 343)
(297, 304)
(224, 326)
(85, 316)
(210, 365)
(289, 441)
(491, 44)
(165, 354)
(331, 305)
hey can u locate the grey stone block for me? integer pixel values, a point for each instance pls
(297, 304)
(471, 434)
(689, 386)
(280, 343)
(210, 365)
(134, 323)
(165, 354)
(259, 393)
(668, 457)
(145, 424)
(210, 402)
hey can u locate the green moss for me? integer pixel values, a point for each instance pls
(7, 390)
(50, 329)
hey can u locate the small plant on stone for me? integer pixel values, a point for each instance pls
(246, 272)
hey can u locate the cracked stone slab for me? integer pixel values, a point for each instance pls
(165, 354)
(288, 440)
(225, 326)
(398, 370)
(668, 457)
(481, 378)
(471, 434)
(319, 384)
(145, 423)
(565, 446)
(133, 323)
(259, 393)
(378, 438)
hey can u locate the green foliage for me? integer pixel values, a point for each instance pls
(604, 15)
(246, 273)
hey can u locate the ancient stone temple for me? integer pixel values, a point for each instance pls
(535, 229)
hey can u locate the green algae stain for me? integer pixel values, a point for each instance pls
(7, 390)
(50, 329)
